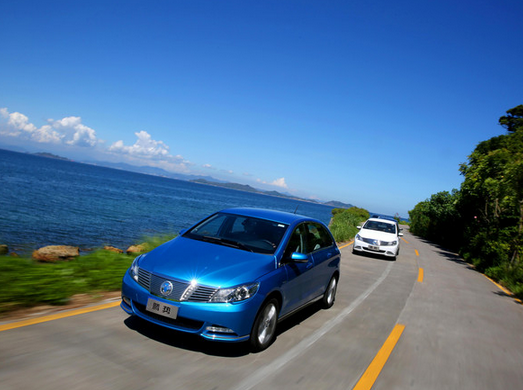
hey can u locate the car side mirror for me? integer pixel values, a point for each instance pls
(400, 234)
(358, 227)
(299, 257)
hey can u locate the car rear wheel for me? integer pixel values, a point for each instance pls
(264, 329)
(330, 293)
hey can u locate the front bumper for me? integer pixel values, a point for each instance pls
(383, 250)
(229, 322)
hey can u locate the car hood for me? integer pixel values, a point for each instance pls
(207, 263)
(376, 235)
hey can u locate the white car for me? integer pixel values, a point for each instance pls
(378, 236)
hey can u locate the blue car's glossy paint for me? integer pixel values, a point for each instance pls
(293, 283)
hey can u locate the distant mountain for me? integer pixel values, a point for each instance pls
(148, 170)
(50, 155)
(248, 188)
(339, 205)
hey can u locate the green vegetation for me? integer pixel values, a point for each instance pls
(344, 222)
(483, 221)
(27, 283)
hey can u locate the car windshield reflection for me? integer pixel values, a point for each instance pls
(239, 231)
(380, 227)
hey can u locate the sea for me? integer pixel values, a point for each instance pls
(48, 201)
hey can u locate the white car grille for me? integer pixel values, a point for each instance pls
(372, 241)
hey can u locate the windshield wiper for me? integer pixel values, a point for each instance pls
(227, 242)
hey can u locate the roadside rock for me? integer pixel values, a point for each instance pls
(54, 253)
(112, 249)
(4, 250)
(137, 248)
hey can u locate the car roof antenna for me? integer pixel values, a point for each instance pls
(296, 209)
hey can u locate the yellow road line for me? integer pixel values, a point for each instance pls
(346, 245)
(373, 371)
(504, 290)
(417, 253)
(57, 316)
(405, 240)
(420, 275)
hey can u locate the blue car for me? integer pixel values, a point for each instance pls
(234, 275)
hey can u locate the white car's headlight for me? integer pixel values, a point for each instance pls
(235, 294)
(389, 243)
(358, 237)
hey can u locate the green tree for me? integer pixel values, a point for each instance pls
(486, 216)
(437, 219)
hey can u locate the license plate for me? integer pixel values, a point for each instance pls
(162, 309)
(374, 248)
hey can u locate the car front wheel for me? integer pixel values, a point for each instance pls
(330, 293)
(264, 329)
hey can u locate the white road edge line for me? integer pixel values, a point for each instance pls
(277, 364)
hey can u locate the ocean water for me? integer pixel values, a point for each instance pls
(45, 201)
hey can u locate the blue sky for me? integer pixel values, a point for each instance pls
(373, 103)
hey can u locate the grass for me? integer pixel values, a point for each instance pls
(27, 283)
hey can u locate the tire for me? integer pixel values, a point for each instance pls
(330, 293)
(264, 329)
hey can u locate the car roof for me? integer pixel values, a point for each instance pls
(383, 220)
(272, 215)
(387, 218)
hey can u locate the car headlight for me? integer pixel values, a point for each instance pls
(358, 237)
(389, 243)
(135, 268)
(235, 294)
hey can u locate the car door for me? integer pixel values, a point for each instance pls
(298, 272)
(326, 257)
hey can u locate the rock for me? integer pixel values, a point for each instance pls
(54, 253)
(137, 248)
(112, 249)
(4, 250)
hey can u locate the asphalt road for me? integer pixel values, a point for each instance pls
(426, 321)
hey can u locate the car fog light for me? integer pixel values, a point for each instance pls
(126, 300)
(219, 329)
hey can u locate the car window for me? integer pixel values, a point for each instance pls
(380, 226)
(247, 233)
(210, 227)
(296, 242)
(317, 237)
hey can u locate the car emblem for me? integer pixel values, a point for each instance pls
(166, 288)
(376, 242)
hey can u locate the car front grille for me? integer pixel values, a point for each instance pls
(152, 283)
(372, 241)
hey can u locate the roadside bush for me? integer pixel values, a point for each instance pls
(344, 222)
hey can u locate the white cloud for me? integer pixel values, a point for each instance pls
(46, 134)
(145, 146)
(75, 133)
(277, 183)
(68, 130)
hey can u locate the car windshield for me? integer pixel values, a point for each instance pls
(380, 226)
(241, 232)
